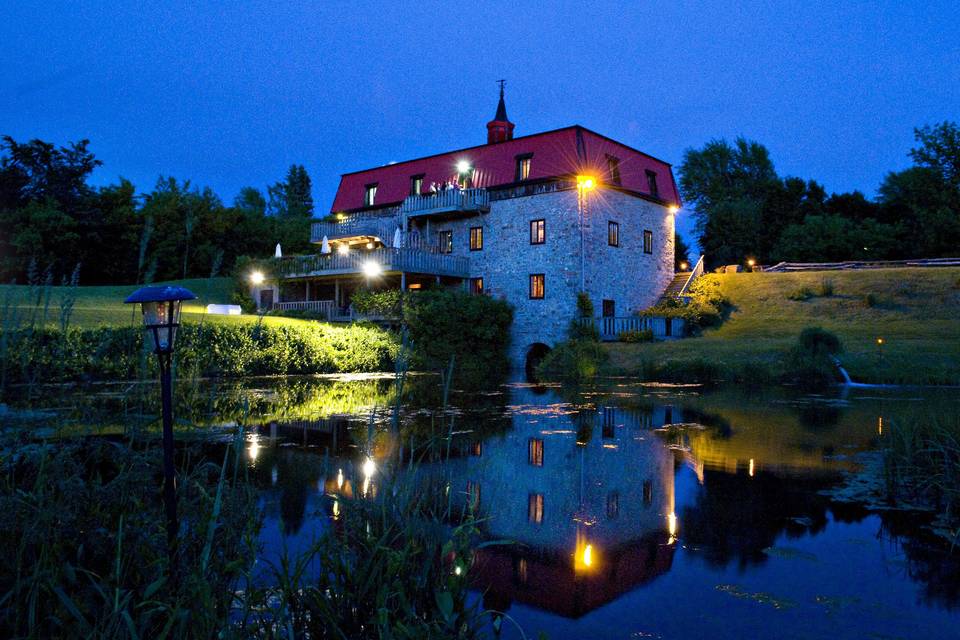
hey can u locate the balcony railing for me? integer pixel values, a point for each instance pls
(382, 227)
(449, 201)
(388, 258)
(321, 307)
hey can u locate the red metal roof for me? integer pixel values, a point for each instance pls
(555, 154)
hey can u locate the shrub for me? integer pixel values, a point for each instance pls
(705, 308)
(826, 288)
(573, 361)
(636, 335)
(871, 300)
(210, 349)
(584, 305)
(801, 294)
(451, 323)
(377, 303)
(811, 362)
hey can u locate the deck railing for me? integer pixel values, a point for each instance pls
(388, 258)
(610, 327)
(451, 200)
(320, 307)
(383, 227)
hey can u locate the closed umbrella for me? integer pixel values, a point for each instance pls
(277, 253)
(397, 238)
(325, 246)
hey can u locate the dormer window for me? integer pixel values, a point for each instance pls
(652, 183)
(523, 167)
(416, 185)
(370, 194)
(613, 169)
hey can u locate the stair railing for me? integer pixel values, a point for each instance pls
(696, 273)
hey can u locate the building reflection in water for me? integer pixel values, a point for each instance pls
(586, 494)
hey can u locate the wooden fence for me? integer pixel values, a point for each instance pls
(611, 328)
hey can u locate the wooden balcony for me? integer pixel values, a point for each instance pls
(389, 259)
(454, 201)
(382, 227)
(662, 328)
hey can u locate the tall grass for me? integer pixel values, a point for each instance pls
(922, 465)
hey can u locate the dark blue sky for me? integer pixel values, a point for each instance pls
(230, 94)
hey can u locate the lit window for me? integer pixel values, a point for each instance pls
(613, 234)
(476, 238)
(613, 169)
(476, 285)
(613, 504)
(416, 185)
(537, 286)
(538, 231)
(370, 194)
(652, 183)
(523, 167)
(476, 449)
(535, 508)
(535, 452)
(445, 240)
(647, 241)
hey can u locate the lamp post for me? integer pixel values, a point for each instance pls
(161, 318)
(584, 185)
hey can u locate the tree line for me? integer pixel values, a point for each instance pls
(55, 226)
(745, 210)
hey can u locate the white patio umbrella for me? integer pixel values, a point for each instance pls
(277, 253)
(325, 246)
(397, 238)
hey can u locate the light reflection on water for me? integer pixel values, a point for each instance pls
(633, 510)
(659, 513)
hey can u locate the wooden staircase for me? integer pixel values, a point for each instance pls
(675, 287)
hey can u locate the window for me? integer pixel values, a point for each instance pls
(476, 238)
(538, 231)
(652, 183)
(535, 508)
(668, 415)
(416, 185)
(647, 493)
(537, 286)
(609, 308)
(476, 285)
(613, 504)
(535, 452)
(445, 240)
(609, 422)
(520, 571)
(369, 194)
(613, 234)
(476, 449)
(523, 167)
(647, 241)
(613, 168)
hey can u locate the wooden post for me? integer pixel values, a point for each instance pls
(403, 281)
(307, 296)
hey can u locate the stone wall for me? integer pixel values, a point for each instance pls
(625, 274)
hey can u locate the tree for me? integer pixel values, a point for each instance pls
(251, 202)
(681, 252)
(939, 149)
(729, 182)
(298, 192)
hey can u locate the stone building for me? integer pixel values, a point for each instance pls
(533, 219)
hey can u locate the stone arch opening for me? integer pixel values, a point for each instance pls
(536, 352)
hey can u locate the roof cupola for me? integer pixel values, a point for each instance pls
(500, 128)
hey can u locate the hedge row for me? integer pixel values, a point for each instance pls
(209, 350)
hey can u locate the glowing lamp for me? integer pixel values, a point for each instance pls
(673, 208)
(751, 262)
(257, 278)
(343, 249)
(463, 167)
(369, 245)
(879, 341)
(586, 183)
(684, 266)
(369, 467)
(161, 313)
(372, 269)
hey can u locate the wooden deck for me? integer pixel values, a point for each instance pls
(390, 260)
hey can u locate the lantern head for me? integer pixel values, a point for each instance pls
(161, 313)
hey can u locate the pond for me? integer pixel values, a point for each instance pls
(632, 511)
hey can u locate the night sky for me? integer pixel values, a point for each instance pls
(230, 95)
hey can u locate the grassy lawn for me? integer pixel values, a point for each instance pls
(916, 312)
(103, 305)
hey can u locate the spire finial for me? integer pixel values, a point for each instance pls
(501, 82)
(500, 128)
